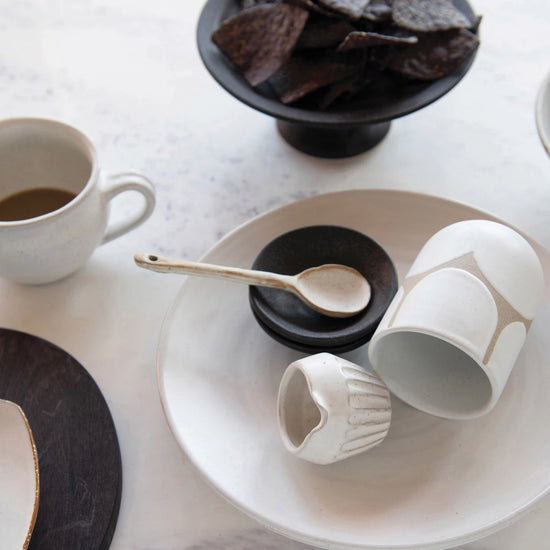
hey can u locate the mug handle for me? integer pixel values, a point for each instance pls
(128, 181)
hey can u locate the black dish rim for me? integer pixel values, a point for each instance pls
(311, 348)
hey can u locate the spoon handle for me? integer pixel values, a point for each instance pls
(160, 264)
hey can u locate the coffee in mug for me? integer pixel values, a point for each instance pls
(33, 203)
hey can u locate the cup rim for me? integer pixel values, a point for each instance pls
(292, 369)
(90, 151)
(445, 413)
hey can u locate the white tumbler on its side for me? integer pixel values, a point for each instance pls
(454, 330)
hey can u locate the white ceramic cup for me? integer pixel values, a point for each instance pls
(454, 330)
(39, 153)
(330, 409)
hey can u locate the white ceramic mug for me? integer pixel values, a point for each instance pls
(454, 330)
(330, 409)
(45, 154)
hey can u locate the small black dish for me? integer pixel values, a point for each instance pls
(289, 321)
(337, 132)
(306, 348)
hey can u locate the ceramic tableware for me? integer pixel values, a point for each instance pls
(331, 289)
(542, 113)
(346, 130)
(452, 334)
(19, 478)
(330, 409)
(79, 454)
(432, 484)
(307, 348)
(41, 158)
(286, 319)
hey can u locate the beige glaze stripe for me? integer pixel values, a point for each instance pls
(507, 314)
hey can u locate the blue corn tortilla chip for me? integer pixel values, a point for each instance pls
(363, 39)
(245, 4)
(350, 8)
(303, 74)
(324, 33)
(259, 40)
(435, 55)
(320, 52)
(428, 15)
(378, 11)
(312, 6)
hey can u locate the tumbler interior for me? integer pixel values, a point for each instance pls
(432, 374)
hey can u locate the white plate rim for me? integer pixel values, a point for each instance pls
(448, 543)
(32, 444)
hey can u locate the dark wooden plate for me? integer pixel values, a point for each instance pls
(78, 453)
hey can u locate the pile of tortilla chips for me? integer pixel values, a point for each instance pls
(334, 50)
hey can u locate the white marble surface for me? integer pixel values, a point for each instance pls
(128, 74)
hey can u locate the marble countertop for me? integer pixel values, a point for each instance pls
(128, 74)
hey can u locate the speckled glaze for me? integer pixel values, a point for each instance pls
(40, 153)
(330, 409)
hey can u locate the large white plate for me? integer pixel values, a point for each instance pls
(19, 483)
(433, 483)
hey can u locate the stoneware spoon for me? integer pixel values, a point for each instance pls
(332, 289)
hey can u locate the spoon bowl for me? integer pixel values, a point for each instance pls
(331, 289)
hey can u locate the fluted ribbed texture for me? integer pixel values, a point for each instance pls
(370, 410)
